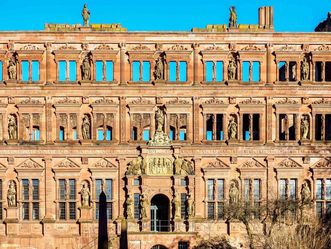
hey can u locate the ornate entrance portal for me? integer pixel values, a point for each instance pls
(160, 214)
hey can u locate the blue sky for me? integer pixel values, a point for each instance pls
(177, 15)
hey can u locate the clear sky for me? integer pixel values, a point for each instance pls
(176, 15)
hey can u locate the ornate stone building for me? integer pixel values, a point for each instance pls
(170, 126)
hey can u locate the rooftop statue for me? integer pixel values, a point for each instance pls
(86, 15)
(233, 17)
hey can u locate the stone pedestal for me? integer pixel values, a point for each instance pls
(12, 215)
(85, 29)
(191, 225)
(85, 215)
(11, 82)
(305, 142)
(179, 225)
(159, 82)
(133, 226)
(86, 142)
(11, 141)
(146, 225)
(85, 82)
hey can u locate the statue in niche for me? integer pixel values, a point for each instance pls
(233, 193)
(304, 127)
(305, 69)
(143, 206)
(232, 69)
(12, 127)
(86, 15)
(176, 205)
(183, 167)
(190, 206)
(160, 138)
(159, 69)
(129, 207)
(159, 116)
(136, 166)
(232, 128)
(86, 69)
(86, 127)
(11, 194)
(12, 69)
(85, 192)
(305, 194)
(294, 71)
(233, 17)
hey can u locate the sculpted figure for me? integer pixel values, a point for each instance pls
(305, 69)
(232, 128)
(136, 167)
(190, 206)
(304, 127)
(12, 127)
(86, 127)
(233, 193)
(294, 71)
(143, 206)
(12, 70)
(233, 17)
(159, 120)
(176, 204)
(232, 69)
(86, 69)
(305, 193)
(159, 69)
(129, 207)
(86, 15)
(85, 192)
(11, 194)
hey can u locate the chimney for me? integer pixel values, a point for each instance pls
(266, 17)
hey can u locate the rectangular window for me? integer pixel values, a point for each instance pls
(109, 71)
(146, 71)
(72, 189)
(256, 71)
(183, 71)
(67, 204)
(35, 71)
(328, 189)
(247, 190)
(35, 190)
(135, 71)
(211, 210)
(182, 134)
(62, 189)
(62, 210)
(183, 205)
(219, 71)
(220, 210)
(136, 182)
(72, 71)
(210, 189)
(100, 134)
(318, 71)
(35, 211)
(172, 71)
(293, 189)
(99, 71)
(109, 134)
(25, 189)
(136, 205)
(257, 190)
(319, 189)
(209, 73)
(327, 127)
(35, 134)
(25, 70)
(62, 70)
(328, 71)
(98, 190)
(25, 211)
(220, 189)
(74, 134)
(109, 189)
(282, 189)
(109, 210)
(183, 245)
(282, 71)
(72, 210)
(61, 134)
(183, 182)
(245, 71)
(146, 134)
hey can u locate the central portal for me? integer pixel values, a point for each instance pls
(160, 214)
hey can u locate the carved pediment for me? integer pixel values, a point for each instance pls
(29, 164)
(251, 47)
(103, 163)
(103, 47)
(289, 163)
(214, 101)
(322, 101)
(177, 47)
(66, 163)
(218, 164)
(30, 47)
(67, 47)
(141, 101)
(252, 163)
(287, 101)
(323, 163)
(178, 101)
(67, 100)
(251, 101)
(140, 47)
(323, 48)
(2, 167)
(104, 101)
(214, 48)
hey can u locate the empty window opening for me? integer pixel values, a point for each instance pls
(245, 71)
(62, 70)
(328, 127)
(318, 127)
(72, 70)
(35, 71)
(287, 129)
(25, 71)
(172, 133)
(182, 134)
(293, 71)
(61, 134)
(134, 133)
(256, 71)
(183, 71)
(282, 71)
(178, 71)
(74, 133)
(146, 136)
(209, 128)
(214, 71)
(328, 71)
(141, 71)
(1, 68)
(36, 133)
(318, 71)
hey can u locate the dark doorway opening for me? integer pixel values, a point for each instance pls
(160, 221)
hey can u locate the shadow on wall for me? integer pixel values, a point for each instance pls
(103, 228)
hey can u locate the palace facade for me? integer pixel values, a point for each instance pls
(157, 128)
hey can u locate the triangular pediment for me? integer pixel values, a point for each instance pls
(289, 163)
(103, 163)
(67, 163)
(29, 164)
(218, 164)
(323, 163)
(252, 163)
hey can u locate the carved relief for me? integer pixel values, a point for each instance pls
(29, 164)
(289, 163)
(214, 101)
(232, 127)
(85, 195)
(322, 101)
(67, 100)
(251, 47)
(183, 167)
(66, 163)
(323, 163)
(11, 194)
(103, 47)
(12, 127)
(30, 47)
(141, 101)
(140, 47)
(178, 101)
(86, 127)
(287, 101)
(12, 66)
(218, 164)
(103, 163)
(251, 101)
(252, 163)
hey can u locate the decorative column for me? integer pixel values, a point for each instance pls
(195, 116)
(312, 75)
(297, 127)
(323, 71)
(251, 127)
(214, 125)
(196, 70)
(323, 127)
(199, 188)
(122, 121)
(67, 70)
(122, 64)
(277, 128)
(50, 195)
(141, 70)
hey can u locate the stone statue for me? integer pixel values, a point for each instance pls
(233, 17)
(305, 69)
(85, 192)
(86, 127)
(86, 15)
(159, 116)
(232, 128)
(12, 69)
(143, 206)
(304, 127)
(233, 193)
(159, 69)
(12, 127)
(190, 206)
(11, 194)
(294, 71)
(160, 138)
(136, 166)
(176, 205)
(183, 167)
(305, 193)
(232, 69)
(86, 69)
(129, 207)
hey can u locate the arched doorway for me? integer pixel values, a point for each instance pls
(160, 214)
(158, 247)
